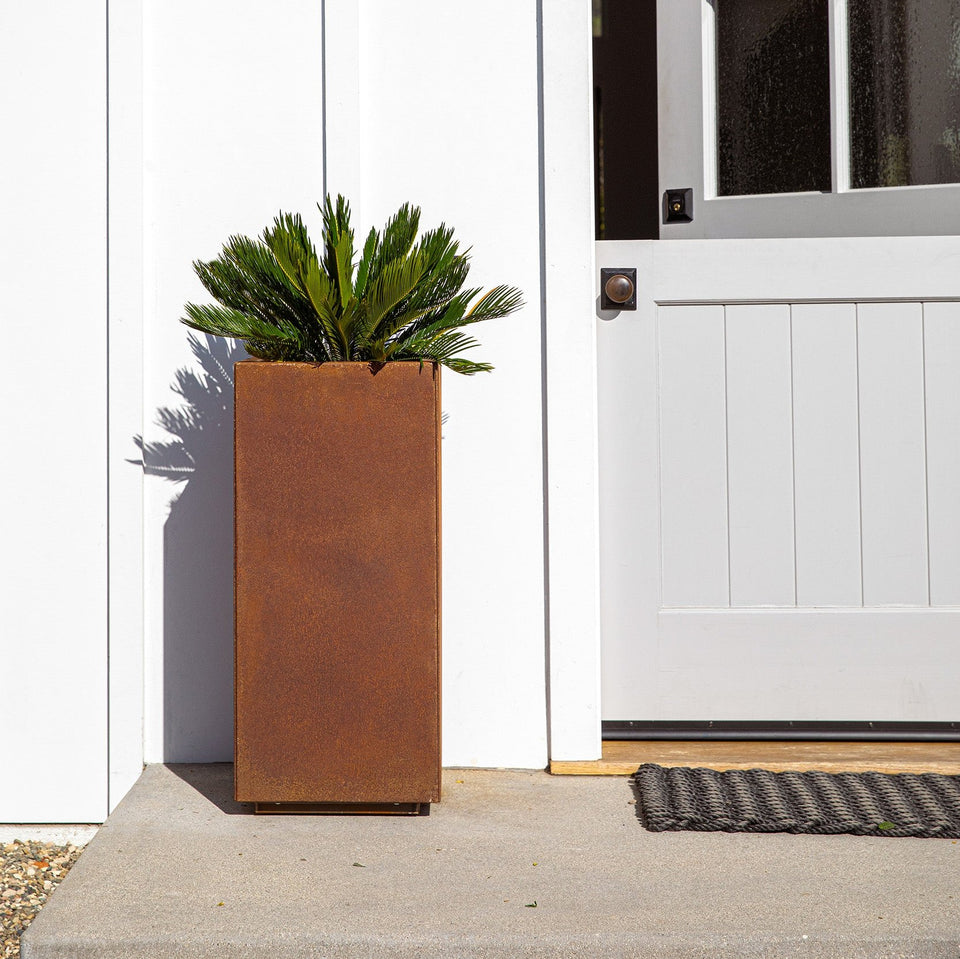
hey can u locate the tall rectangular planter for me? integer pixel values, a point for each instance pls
(337, 583)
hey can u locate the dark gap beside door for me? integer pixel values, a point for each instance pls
(626, 180)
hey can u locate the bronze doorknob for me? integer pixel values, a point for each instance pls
(619, 288)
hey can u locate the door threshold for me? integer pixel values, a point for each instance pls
(623, 758)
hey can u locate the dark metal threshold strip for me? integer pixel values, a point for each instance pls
(782, 730)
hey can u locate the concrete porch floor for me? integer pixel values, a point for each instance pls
(510, 864)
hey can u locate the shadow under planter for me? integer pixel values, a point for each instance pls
(337, 580)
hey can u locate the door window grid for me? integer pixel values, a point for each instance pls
(927, 94)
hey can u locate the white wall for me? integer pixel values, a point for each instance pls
(125, 375)
(233, 132)
(218, 118)
(53, 403)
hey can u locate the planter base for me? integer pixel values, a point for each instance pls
(342, 808)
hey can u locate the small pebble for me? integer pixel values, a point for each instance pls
(29, 872)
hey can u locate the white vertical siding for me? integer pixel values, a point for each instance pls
(53, 404)
(125, 102)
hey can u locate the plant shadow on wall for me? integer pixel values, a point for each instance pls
(198, 555)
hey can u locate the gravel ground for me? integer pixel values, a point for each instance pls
(29, 872)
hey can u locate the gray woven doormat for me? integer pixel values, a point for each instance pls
(756, 800)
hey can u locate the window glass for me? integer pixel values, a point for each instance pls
(773, 96)
(904, 92)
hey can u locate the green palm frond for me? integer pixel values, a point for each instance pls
(398, 236)
(296, 256)
(224, 321)
(443, 349)
(392, 285)
(248, 278)
(403, 299)
(494, 304)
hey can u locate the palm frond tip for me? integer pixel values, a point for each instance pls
(403, 298)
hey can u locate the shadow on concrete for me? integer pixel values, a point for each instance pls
(214, 781)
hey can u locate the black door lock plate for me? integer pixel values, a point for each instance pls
(678, 206)
(618, 288)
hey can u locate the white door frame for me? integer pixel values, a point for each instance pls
(570, 348)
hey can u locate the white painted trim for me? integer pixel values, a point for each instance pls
(342, 103)
(839, 97)
(568, 293)
(708, 86)
(125, 392)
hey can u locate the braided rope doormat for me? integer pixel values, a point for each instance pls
(757, 800)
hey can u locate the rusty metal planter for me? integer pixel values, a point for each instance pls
(337, 583)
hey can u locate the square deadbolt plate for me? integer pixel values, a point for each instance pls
(678, 206)
(607, 302)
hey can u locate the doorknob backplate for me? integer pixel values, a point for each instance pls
(618, 288)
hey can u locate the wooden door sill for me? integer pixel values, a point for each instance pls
(624, 758)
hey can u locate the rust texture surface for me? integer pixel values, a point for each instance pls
(337, 583)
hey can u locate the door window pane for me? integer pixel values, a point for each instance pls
(773, 96)
(904, 92)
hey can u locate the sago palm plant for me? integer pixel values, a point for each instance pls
(402, 299)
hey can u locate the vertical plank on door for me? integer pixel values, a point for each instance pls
(693, 469)
(941, 323)
(760, 455)
(892, 455)
(826, 454)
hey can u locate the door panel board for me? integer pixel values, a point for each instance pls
(892, 460)
(826, 454)
(760, 455)
(693, 467)
(941, 322)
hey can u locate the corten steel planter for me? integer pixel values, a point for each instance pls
(337, 584)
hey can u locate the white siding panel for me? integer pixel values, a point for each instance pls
(53, 398)
(760, 455)
(942, 360)
(826, 454)
(893, 481)
(693, 469)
